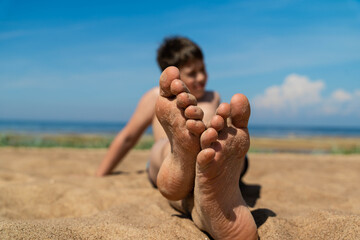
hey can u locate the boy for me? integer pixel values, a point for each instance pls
(200, 144)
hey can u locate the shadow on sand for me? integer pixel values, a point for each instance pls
(119, 173)
(260, 215)
(251, 193)
(126, 173)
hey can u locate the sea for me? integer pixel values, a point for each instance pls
(111, 128)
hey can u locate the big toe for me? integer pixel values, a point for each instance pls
(240, 110)
(166, 78)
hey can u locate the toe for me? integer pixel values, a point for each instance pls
(240, 110)
(194, 112)
(205, 156)
(184, 100)
(223, 110)
(166, 78)
(196, 127)
(209, 136)
(217, 122)
(177, 86)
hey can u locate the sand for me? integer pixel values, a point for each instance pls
(52, 194)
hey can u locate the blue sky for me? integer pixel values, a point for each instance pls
(297, 61)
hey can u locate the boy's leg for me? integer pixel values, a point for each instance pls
(217, 206)
(178, 114)
(157, 155)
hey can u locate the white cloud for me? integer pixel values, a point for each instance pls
(298, 95)
(341, 95)
(296, 91)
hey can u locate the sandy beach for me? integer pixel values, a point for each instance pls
(51, 193)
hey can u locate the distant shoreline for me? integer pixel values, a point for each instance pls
(290, 144)
(36, 127)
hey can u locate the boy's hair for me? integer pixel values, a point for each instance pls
(177, 51)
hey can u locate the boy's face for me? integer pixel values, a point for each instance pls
(194, 75)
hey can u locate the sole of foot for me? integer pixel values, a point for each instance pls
(220, 208)
(181, 119)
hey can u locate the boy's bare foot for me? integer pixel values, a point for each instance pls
(220, 208)
(178, 114)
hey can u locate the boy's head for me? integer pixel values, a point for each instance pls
(177, 51)
(187, 56)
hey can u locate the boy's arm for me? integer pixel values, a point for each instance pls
(130, 134)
